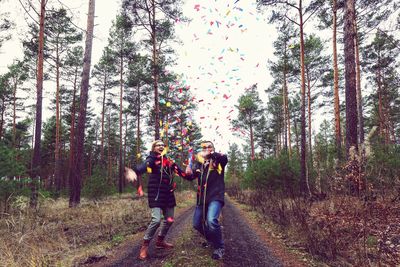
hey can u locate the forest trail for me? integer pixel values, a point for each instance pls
(244, 245)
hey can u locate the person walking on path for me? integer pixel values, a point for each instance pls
(160, 195)
(209, 168)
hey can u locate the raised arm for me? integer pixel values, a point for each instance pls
(219, 158)
(142, 168)
(187, 175)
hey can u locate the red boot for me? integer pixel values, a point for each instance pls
(162, 244)
(144, 250)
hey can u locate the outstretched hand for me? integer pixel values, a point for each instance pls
(188, 170)
(130, 175)
(140, 192)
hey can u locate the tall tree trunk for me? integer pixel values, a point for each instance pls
(386, 113)
(252, 140)
(14, 126)
(109, 166)
(121, 164)
(284, 121)
(3, 109)
(358, 79)
(138, 124)
(309, 119)
(72, 130)
(350, 75)
(304, 186)
(57, 166)
(76, 174)
(338, 134)
(155, 72)
(139, 181)
(286, 106)
(103, 110)
(36, 162)
(296, 135)
(380, 104)
(125, 145)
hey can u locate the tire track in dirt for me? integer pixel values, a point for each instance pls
(242, 245)
(157, 256)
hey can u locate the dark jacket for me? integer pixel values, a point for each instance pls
(160, 187)
(211, 184)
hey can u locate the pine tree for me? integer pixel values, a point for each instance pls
(36, 162)
(379, 61)
(157, 18)
(250, 109)
(61, 34)
(303, 14)
(76, 174)
(350, 75)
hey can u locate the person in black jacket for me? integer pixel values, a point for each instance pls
(160, 195)
(209, 169)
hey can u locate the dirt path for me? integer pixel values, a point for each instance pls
(243, 245)
(127, 255)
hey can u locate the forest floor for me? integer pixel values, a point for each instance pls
(259, 230)
(247, 243)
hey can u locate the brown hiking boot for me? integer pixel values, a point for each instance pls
(162, 244)
(144, 250)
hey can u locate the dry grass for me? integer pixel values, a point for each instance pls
(56, 235)
(341, 230)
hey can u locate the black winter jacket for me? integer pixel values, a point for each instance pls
(211, 184)
(160, 187)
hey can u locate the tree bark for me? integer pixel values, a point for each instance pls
(252, 139)
(338, 134)
(124, 152)
(121, 164)
(36, 160)
(109, 166)
(286, 108)
(102, 121)
(139, 181)
(57, 166)
(3, 110)
(296, 135)
(14, 126)
(310, 154)
(155, 72)
(359, 93)
(350, 75)
(304, 186)
(76, 174)
(72, 130)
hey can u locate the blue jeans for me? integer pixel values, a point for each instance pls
(210, 229)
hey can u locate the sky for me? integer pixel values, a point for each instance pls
(224, 50)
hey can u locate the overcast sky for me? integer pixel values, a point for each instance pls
(225, 49)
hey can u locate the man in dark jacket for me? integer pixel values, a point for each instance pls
(160, 192)
(209, 171)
